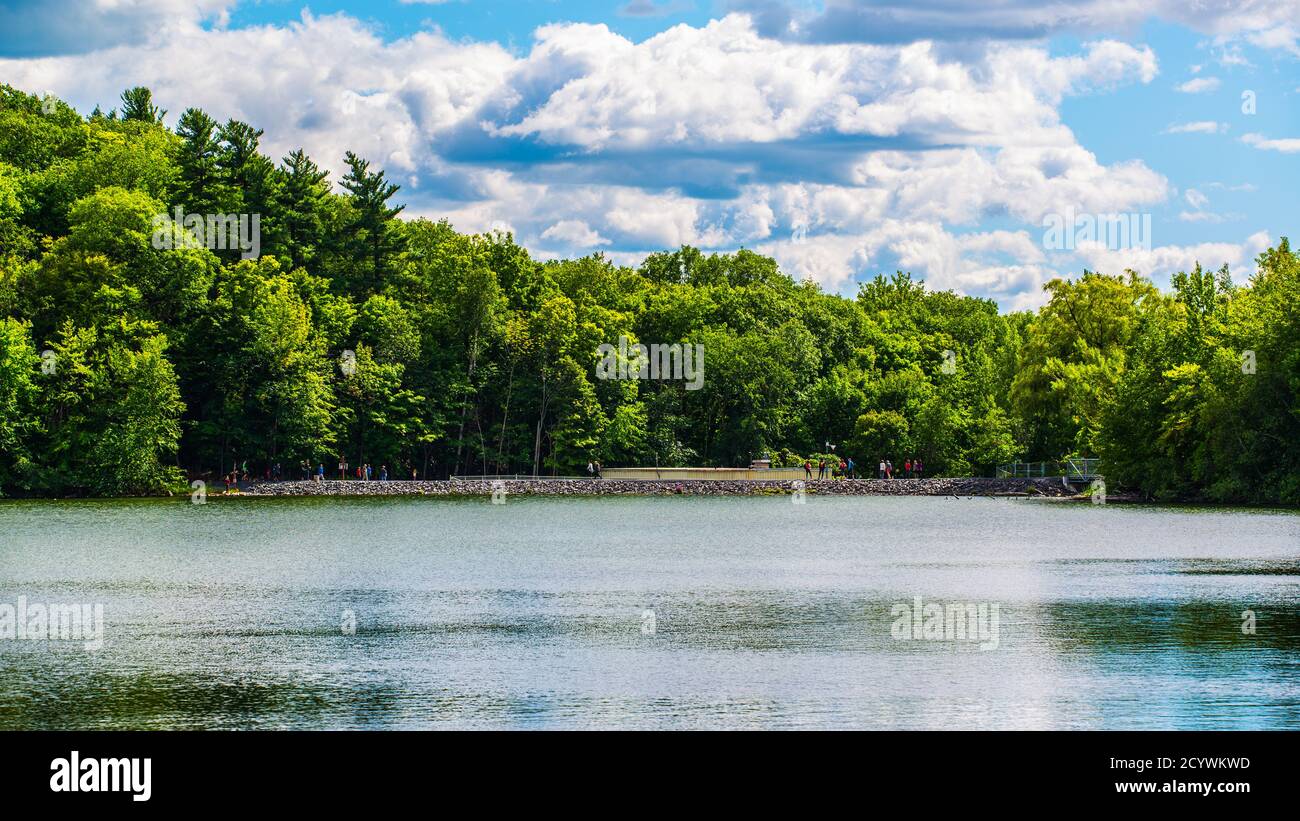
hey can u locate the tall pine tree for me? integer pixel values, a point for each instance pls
(137, 104)
(301, 198)
(202, 188)
(373, 234)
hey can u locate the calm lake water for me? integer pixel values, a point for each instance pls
(766, 614)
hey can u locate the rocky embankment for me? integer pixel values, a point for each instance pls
(641, 487)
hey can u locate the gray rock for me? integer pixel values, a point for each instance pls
(645, 487)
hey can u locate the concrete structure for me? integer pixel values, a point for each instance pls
(694, 474)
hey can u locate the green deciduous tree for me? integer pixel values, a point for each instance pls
(468, 355)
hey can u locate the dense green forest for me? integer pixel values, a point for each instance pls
(127, 368)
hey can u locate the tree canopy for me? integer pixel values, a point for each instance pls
(126, 368)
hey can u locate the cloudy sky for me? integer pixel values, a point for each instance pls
(843, 138)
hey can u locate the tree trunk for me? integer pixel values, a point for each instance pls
(510, 384)
(464, 407)
(537, 439)
(478, 425)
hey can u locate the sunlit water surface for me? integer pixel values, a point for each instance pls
(767, 614)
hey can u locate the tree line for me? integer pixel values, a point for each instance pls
(128, 368)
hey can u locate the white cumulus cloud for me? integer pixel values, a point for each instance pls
(888, 154)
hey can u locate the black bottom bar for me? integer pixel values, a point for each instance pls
(334, 770)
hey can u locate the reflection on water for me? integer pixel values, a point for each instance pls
(767, 614)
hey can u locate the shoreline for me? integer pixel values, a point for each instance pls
(1031, 488)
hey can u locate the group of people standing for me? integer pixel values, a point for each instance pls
(274, 472)
(237, 473)
(365, 472)
(829, 470)
(912, 469)
(308, 472)
(826, 469)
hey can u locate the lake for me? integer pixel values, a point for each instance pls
(667, 612)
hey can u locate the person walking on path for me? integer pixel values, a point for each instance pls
(807, 469)
(851, 467)
(591, 470)
(597, 467)
(821, 468)
(320, 471)
(880, 474)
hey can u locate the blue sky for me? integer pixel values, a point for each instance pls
(510, 22)
(844, 139)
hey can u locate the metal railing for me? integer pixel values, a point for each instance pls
(659, 474)
(1078, 468)
(688, 474)
(1082, 468)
